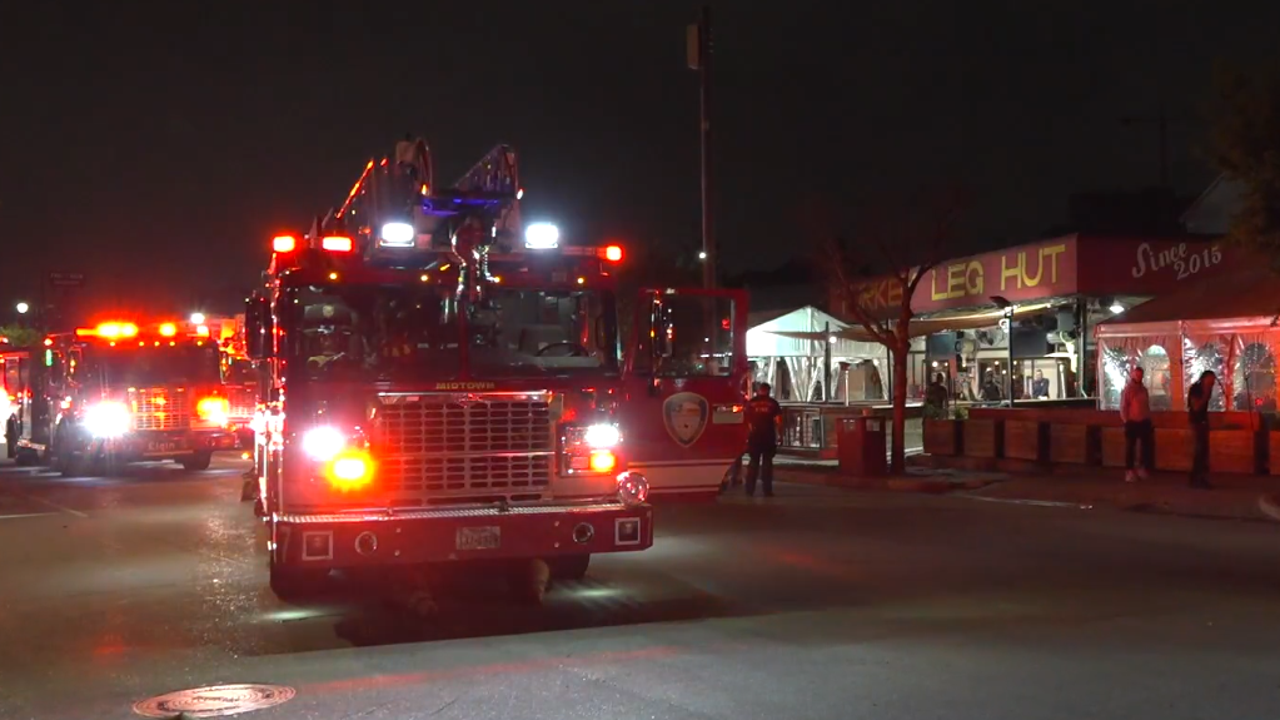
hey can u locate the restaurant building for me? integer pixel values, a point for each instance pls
(1021, 320)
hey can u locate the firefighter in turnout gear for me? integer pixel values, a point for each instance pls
(764, 424)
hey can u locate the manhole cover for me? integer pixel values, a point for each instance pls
(215, 701)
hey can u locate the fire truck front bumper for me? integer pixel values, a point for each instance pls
(162, 444)
(346, 540)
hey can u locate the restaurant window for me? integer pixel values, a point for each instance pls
(1200, 357)
(1157, 378)
(1043, 378)
(1115, 373)
(1255, 379)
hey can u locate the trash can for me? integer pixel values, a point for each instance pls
(861, 446)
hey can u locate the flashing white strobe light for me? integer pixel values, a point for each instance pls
(1116, 309)
(107, 419)
(22, 308)
(197, 318)
(602, 437)
(542, 236)
(322, 443)
(396, 234)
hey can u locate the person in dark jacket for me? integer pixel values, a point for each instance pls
(1198, 413)
(764, 424)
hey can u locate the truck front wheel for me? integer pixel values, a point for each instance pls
(571, 567)
(199, 461)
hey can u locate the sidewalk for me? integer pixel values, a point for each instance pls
(1237, 497)
(915, 479)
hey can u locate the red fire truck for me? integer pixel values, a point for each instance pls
(117, 393)
(443, 384)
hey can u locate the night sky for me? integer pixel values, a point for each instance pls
(157, 150)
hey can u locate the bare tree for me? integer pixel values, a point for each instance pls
(907, 241)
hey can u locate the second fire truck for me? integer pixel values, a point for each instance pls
(121, 392)
(445, 385)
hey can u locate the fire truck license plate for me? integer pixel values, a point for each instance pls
(160, 446)
(479, 538)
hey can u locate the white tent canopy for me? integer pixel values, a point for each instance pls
(801, 332)
(798, 341)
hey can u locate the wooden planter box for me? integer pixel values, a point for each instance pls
(1071, 444)
(982, 438)
(942, 437)
(1174, 449)
(1113, 447)
(1024, 440)
(1232, 451)
(1273, 452)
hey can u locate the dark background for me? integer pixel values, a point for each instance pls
(156, 148)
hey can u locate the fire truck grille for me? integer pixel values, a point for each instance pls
(477, 475)
(481, 447)
(160, 409)
(244, 402)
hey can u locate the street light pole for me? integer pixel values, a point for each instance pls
(699, 52)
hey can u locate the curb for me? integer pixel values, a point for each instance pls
(922, 485)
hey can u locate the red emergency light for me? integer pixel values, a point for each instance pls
(613, 253)
(284, 244)
(337, 243)
(110, 330)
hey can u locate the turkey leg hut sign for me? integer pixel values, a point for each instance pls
(1089, 265)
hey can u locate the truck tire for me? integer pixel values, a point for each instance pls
(290, 584)
(570, 567)
(199, 461)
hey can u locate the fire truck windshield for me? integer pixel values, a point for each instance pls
(373, 332)
(148, 365)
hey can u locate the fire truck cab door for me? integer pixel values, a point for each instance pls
(685, 377)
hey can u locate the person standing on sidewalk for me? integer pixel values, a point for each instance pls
(764, 424)
(1135, 413)
(1198, 411)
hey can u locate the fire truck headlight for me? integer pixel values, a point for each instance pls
(633, 489)
(350, 470)
(214, 410)
(542, 236)
(107, 419)
(322, 443)
(396, 234)
(602, 437)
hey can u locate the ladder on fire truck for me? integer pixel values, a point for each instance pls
(489, 191)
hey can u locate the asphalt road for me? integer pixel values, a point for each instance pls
(817, 604)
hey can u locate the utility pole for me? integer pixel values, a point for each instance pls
(1161, 122)
(698, 45)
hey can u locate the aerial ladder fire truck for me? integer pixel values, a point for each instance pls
(444, 385)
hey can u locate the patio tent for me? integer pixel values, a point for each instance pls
(789, 351)
(1226, 323)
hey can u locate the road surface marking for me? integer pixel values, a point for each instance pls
(25, 515)
(1038, 503)
(56, 506)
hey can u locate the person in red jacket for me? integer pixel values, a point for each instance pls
(1135, 412)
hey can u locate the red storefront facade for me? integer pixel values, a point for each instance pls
(1069, 283)
(1088, 266)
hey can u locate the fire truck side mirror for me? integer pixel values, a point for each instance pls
(257, 328)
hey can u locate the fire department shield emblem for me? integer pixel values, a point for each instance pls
(685, 414)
